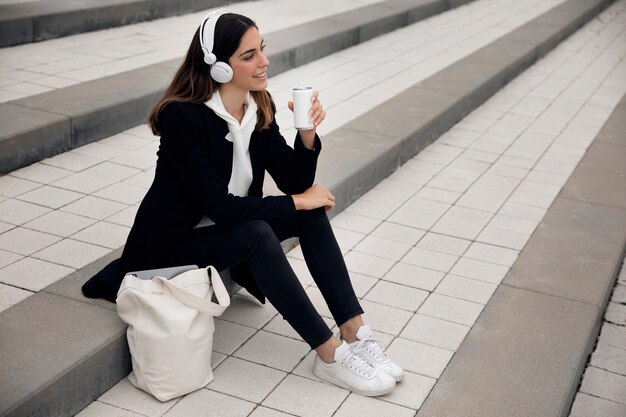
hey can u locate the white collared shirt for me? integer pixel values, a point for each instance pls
(239, 134)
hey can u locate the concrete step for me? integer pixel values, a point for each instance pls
(31, 130)
(358, 155)
(33, 21)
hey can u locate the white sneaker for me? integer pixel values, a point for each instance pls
(352, 372)
(369, 348)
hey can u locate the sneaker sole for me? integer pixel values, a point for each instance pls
(371, 393)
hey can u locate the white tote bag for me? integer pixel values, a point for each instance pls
(170, 329)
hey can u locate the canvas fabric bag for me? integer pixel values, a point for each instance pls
(170, 329)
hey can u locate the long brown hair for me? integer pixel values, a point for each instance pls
(192, 82)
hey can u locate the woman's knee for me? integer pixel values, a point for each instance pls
(260, 234)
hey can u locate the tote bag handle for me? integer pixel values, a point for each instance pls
(202, 304)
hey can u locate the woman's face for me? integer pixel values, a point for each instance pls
(249, 62)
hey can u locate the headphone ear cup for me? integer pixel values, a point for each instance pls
(221, 72)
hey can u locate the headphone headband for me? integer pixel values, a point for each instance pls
(208, 28)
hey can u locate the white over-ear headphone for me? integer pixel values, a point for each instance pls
(220, 71)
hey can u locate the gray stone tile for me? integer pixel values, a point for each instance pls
(33, 274)
(604, 384)
(370, 407)
(370, 265)
(94, 207)
(381, 247)
(575, 240)
(267, 412)
(587, 405)
(370, 209)
(50, 196)
(442, 243)
(11, 295)
(414, 276)
(248, 312)
(260, 380)
(425, 258)
(451, 309)
(228, 336)
(25, 241)
(301, 397)
(435, 332)
(71, 253)
(347, 239)
(417, 357)
(125, 217)
(384, 318)
(462, 222)
(125, 396)
(412, 391)
(426, 206)
(616, 314)
(5, 227)
(545, 334)
(412, 218)
(122, 193)
(480, 270)
(273, 350)
(99, 409)
(19, 212)
(81, 183)
(505, 238)
(60, 223)
(491, 253)
(7, 258)
(11, 186)
(361, 283)
(398, 233)
(197, 403)
(355, 222)
(104, 234)
(395, 295)
(612, 335)
(466, 289)
(609, 358)
(71, 161)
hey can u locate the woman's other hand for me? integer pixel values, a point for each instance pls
(314, 197)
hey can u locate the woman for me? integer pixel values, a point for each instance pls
(205, 206)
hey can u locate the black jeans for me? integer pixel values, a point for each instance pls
(258, 243)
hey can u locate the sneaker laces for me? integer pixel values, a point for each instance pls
(371, 345)
(357, 363)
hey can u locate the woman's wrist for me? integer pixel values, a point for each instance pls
(297, 201)
(308, 138)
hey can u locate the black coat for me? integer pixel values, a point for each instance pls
(191, 180)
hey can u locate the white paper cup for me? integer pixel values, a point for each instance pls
(301, 107)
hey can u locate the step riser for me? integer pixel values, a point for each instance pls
(291, 48)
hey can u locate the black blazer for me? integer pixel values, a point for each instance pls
(191, 180)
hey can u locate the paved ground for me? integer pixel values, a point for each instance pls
(427, 247)
(603, 388)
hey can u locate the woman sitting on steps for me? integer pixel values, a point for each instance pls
(205, 205)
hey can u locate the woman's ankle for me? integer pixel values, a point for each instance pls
(326, 351)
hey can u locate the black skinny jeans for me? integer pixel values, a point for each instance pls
(258, 243)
